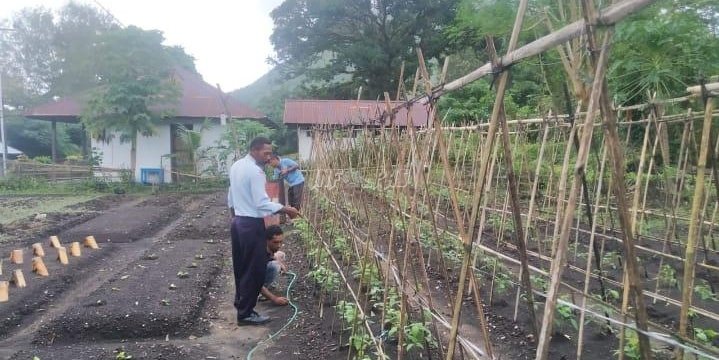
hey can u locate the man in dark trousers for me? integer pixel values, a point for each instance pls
(249, 204)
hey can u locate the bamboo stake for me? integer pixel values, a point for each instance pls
(37, 250)
(18, 278)
(75, 249)
(62, 255)
(694, 229)
(516, 207)
(557, 267)
(4, 291)
(55, 242)
(16, 256)
(38, 266)
(638, 182)
(588, 271)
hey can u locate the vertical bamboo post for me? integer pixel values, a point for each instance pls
(559, 260)
(694, 228)
(479, 185)
(516, 206)
(588, 271)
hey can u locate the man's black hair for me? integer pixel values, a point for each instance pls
(272, 231)
(259, 142)
(275, 156)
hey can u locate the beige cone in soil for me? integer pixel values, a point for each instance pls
(75, 249)
(55, 242)
(38, 266)
(37, 249)
(16, 256)
(18, 278)
(62, 255)
(90, 242)
(4, 296)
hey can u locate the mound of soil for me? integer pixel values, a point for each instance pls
(42, 291)
(150, 350)
(137, 222)
(140, 302)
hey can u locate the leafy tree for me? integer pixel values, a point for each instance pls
(364, 39)
(75, 44)
(31, 57)
(664, 49)
(136, 91)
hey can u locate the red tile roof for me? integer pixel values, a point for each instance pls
(350, 112)
(199, 100)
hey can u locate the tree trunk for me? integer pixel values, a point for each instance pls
(133, 155)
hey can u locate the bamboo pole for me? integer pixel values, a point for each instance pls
(588, 271)
(608, 16)
(557, 267)
(516, 207)
(694, 229)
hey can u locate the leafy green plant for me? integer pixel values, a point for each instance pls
(341, 245)
(565, 315)
(122, 355)
(391, 313)
(631, 346)
(327, 279)
(704, 291)
(538, 282)
(359, 342)
(667, 276)
(417, 334)
(348, 312)
(705, 336)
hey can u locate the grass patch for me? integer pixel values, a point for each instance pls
(17, 208)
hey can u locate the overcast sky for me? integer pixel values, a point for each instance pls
(228, 38)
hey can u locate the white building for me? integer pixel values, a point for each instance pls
(346, 116)
(164, 154)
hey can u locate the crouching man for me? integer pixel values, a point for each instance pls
(275, 265)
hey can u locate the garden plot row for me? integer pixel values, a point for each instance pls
(160, 294)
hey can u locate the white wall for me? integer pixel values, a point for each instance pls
(150, 152)
(304, 144)
(116, 155)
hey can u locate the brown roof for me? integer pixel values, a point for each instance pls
(350, 112)
(199, 100)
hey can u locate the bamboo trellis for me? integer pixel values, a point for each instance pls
(417, 203)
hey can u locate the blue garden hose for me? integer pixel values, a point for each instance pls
(292, 318)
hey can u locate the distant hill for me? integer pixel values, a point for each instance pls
(269, 84)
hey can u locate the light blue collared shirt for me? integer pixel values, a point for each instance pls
(293, 178)
(247, 194)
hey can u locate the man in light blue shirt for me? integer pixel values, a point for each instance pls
(249, 204)
(289, 170)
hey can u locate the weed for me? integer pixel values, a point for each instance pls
(122, 355)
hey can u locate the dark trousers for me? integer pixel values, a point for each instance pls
(295, 195)
(249, 262)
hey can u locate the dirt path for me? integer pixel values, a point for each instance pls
(118, 299)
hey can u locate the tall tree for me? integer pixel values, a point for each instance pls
(664, 49)
(136, 87)
(366, 40)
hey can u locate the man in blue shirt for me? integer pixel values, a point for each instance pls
(249, 204)
(289, 170)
